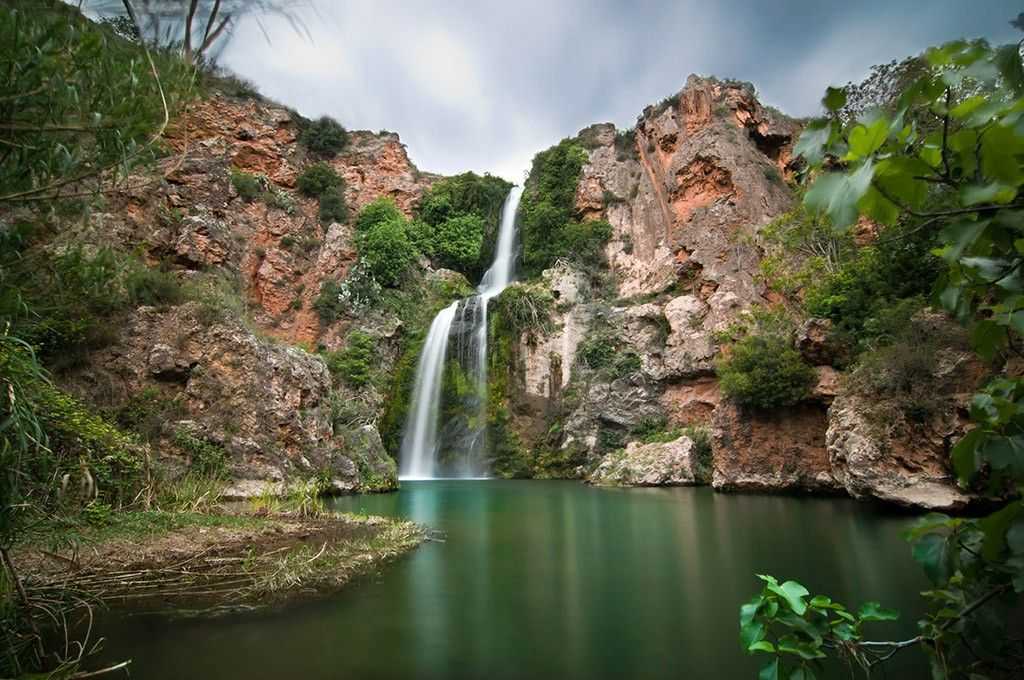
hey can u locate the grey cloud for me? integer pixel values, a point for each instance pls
(485, 85)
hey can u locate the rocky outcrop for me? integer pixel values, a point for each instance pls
(776, 451)
(894, 446)
(266, 405)
(698, 173)
(686, 192)
(673, 463)
(191, 215)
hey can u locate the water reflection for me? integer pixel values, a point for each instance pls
(543, 579)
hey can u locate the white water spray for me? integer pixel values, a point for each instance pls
(420, 441)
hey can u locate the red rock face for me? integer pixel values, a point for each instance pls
(778, 451)
(284, 254)
(699, 184)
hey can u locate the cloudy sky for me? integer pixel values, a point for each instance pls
(481, 85)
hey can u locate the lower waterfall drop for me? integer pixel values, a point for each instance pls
(423, 437)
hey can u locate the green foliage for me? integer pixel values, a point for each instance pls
(152, 287)
(547, 220)
(456, 242)
(354, 364)
(457, 221)
(80, 102)
(796, 629)
(324, 136)
(206, 459)
(596, 351)
(765, 371)
(376, 212)
(521, 308)
(333, 207)
(317, 179)
(246, 185)
(387, 252)
(868, 293)
(945, 157)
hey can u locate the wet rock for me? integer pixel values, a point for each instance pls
(671, 463)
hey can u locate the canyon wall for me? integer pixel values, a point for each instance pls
(687, 193)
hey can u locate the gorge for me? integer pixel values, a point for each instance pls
(278, 403)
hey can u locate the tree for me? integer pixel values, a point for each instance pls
(198, 28)
(947, 158)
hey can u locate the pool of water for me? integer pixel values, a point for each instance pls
(554, 579)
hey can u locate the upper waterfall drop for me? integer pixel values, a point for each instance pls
(499, 275)
(423, 436)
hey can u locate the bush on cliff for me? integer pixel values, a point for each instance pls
(333, 207)
(387, 251)
(457, 221)
(548, 224)
(324, 136)
(765, 371)
(317, 179)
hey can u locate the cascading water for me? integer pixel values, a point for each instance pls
(422, 440)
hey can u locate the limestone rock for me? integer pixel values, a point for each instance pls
(266, 404)
(893, 465)
(659, 464)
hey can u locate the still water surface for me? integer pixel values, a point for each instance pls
(553, 580)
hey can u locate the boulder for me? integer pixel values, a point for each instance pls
(671, 463)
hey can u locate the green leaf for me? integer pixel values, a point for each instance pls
(762, 646)
(973, 194)
(995, 528)
(812, 141)
(964, 454)
(837, 194)
(801, 673)
(834, 99)
(931, 552)
(1004, 453)
(770, 672)
(864, 141)
(1007, 60)
(749, 610)
(793, 593)
(987, 337)
(873, 611)
(751, 633)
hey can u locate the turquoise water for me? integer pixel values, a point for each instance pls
(554, 579)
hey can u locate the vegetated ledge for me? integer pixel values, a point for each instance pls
(207, 564)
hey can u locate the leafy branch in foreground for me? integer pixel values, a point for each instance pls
(946, 156)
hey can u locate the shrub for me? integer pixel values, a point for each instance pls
(765, 371)
(359, 291)
(333, 207)
(379, 210)
(456, 242)
(596, 351)
(324, 136)
(354, 363)
(547, 215)
(205, 458)
(152, 287)
(317, 179)
(892, 274)
(387, 251)
(328, 303)
(522, 308)
(247, 186)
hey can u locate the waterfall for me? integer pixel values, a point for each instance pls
(421, 440)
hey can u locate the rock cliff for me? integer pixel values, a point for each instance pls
(687, 193)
